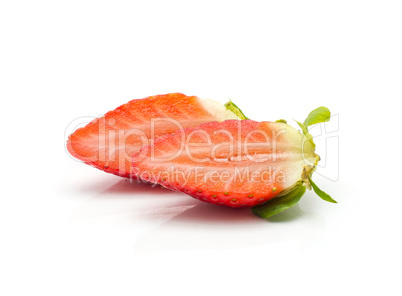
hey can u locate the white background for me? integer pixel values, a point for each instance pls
(69, 229)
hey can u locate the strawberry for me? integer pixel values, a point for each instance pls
(264, 165)
(109, 142)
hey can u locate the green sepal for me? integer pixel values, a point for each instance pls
(321, 114)
(306, 133)
(318, 115)
(236, 110)
(304, 129)
(281, 120)
(321, 193)
(280, 203)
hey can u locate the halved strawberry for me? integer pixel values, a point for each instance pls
(235, 163)
(109, 142)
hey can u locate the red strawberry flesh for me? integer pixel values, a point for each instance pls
(109, 142)
(232, 163)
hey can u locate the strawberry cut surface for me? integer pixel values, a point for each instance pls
(232, 163)
(109, 142)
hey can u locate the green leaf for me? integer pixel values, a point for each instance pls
(321, 193)
(280, 203)
(236, 110)
(321, 114)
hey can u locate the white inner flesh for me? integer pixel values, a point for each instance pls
(218, 110)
